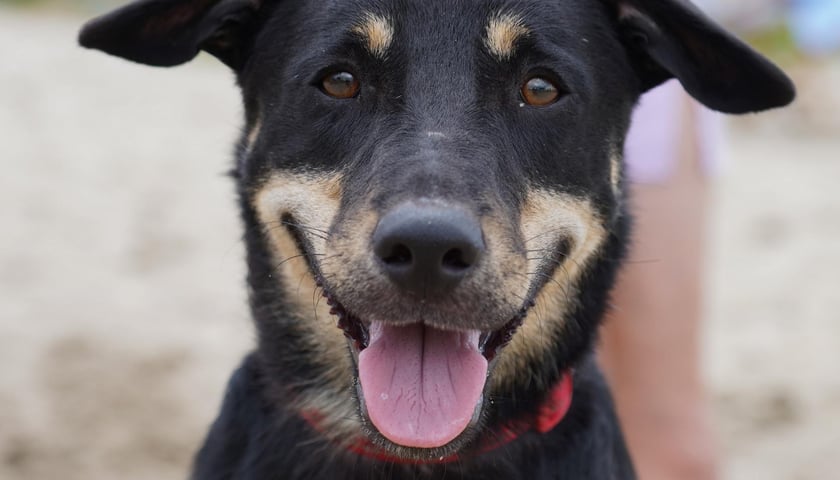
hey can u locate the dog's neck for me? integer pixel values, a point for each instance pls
(550, 413)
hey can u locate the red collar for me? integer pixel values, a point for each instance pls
(551, 412)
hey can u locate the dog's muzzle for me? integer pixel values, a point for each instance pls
(422, 386)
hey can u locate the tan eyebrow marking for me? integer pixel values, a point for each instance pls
(377, 32)
(503, 31)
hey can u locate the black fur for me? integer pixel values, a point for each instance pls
(437, 116)
(253, 439)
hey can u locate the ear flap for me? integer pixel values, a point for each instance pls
(672, 38)
(171, 32)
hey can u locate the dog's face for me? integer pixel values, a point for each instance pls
(437, 171)
(447, 174)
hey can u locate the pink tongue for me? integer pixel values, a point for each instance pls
(421, 385)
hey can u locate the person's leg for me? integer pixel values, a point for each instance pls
(650, 345)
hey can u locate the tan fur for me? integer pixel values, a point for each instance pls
(356, 275)
(378, 33)
(546, 218)
(313, 201)
(354, 265)
(502, 33)
(506, 263)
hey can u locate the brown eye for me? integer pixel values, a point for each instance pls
(340, 85)
(539, 92)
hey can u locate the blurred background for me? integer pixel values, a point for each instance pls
(122, 300)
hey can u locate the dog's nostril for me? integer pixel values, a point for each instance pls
(400, 255)
(456, 260)
(427, 248)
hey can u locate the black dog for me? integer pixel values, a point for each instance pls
(448, 174)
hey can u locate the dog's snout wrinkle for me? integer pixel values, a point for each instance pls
(428, 249)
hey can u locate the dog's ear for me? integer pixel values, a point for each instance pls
(672, 38)
(170, 32)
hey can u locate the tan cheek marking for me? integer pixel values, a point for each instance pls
(313, 201)
(377, 32)
(345, 249)
(503, 32)
(505, 259)
(546, 218)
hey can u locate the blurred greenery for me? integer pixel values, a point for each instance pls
(775, 41)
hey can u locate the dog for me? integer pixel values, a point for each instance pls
(434, 209)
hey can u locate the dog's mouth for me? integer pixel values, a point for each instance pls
(421, 387)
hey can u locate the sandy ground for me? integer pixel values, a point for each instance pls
(122, 307)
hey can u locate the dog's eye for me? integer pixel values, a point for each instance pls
(341, 85)
(539, 92)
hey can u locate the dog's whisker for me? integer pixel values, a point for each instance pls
(537, 250)
(305, 227)
(553, 280)
(300, 226)
(543, 233)
(326, 261)
(316, 234)
(558, 262)
(303, 277)
(547, 258)
(316, 299)
(292, 257)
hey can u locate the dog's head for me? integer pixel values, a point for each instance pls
(447, 173)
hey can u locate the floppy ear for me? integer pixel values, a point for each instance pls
(170, 32)
(672, 38)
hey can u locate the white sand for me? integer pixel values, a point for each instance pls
(122, 305)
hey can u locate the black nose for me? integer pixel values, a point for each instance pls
(428, 249)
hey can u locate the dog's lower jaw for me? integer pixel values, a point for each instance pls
(405, 440)
(343, 426)
(544, 418)
(276, 442)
